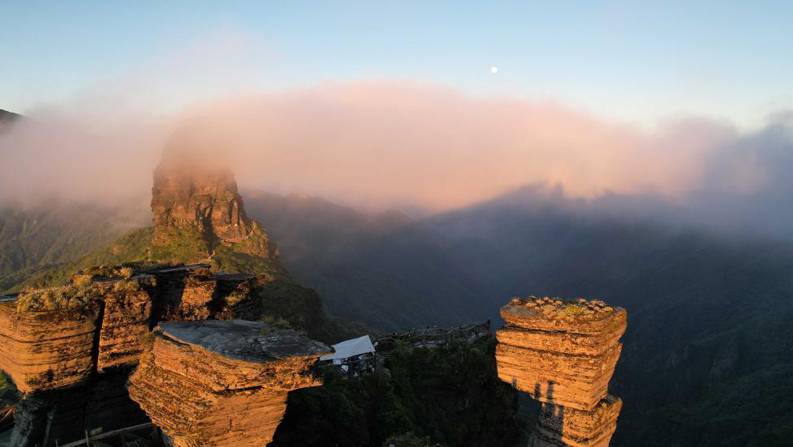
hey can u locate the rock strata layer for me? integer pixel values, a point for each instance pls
(47, 349)
(563, 353)
(125, 321)
(558, 426)
(222, 383)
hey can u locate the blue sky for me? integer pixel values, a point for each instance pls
(632, 61)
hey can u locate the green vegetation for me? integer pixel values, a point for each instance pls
(9, 395)
(33, 241)
(82, 290)
(69, 298)
(136, 247)
(130, 248)
(228, 259)
(447, 396)
(286, 303)
(298, 305)
(179, 245)
(572, 310)
(409, 440)
(128, 285)
(275, 323)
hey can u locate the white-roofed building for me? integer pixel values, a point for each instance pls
(354, 356)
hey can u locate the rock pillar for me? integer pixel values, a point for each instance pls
(45, 349)
(563, 353)
(222, 383)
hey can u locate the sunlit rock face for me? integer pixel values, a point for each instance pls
(47, 349)
(125, 321)
(70, 349)
(222, 383)
(563, 353)
(195, 198)
(57, 337)
(200, 197)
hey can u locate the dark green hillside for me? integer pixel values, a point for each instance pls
(449, 396)
(387, 270)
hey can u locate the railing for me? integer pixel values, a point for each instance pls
(90, 438)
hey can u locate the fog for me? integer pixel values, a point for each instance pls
(401, 144)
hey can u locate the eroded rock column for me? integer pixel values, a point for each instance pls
(563, 353)
(222, 383)
(45, 349)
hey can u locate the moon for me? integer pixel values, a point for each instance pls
(494, 69)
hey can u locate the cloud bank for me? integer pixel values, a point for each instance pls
(402, 143)
(388, 144)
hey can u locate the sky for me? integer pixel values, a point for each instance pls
(635, 62)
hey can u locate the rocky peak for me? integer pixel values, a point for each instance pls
(195, 203)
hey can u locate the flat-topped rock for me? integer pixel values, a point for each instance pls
(252, 341)
(575, 327)
(579, 316)
(563, 353)
(46, 349)
(222, 383)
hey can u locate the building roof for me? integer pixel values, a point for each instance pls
(10, 297)
(350, 348)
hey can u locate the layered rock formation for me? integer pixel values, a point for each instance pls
(56, 337)
(564, 353)
(58, 344)
(222, 383)
(42, 349)
(558, 425)
(126, 316)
